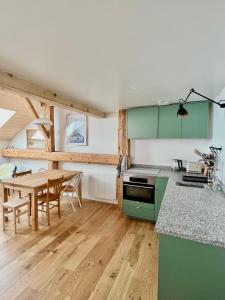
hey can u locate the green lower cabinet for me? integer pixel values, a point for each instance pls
(190, 270)
(139, 210)
(160, 187)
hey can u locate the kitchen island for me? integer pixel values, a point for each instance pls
(191, 227)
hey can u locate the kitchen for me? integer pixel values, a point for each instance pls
(184, 198)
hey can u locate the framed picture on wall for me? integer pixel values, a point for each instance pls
(76, 130)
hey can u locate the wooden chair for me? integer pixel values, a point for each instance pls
(24, 173)
(20, 174)
(72, 187)
(15, 207)
(51, 196)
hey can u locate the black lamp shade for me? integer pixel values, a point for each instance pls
(182, 112)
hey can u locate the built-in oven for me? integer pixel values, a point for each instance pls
(139, 188)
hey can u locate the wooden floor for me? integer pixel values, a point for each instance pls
(96, 253)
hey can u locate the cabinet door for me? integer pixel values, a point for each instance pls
(142, 122)
(160, 187)
(169, 124)
(196, 124)
(139, 210)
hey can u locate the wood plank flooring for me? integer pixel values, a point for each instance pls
(95, 254)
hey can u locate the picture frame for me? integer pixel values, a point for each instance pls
(76, 130)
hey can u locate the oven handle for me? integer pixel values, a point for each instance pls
(140, 186)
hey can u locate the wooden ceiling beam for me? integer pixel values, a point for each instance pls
(10, 83)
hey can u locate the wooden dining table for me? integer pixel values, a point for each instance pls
(35, 183)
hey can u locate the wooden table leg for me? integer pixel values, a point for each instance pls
(80, 191)
(5, 199)
(34, 211)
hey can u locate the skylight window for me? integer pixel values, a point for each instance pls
(5, 115)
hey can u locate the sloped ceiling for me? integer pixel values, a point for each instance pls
(20, 120)
(117, 53)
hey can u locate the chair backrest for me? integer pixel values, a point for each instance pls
(74, 182)
(24, 173)
(56, 185)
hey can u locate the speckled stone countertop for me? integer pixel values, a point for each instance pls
(192, 213)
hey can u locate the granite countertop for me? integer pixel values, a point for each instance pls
(192, 213)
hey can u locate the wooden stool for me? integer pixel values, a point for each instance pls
(14, 206)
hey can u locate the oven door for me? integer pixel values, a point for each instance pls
(139, 192)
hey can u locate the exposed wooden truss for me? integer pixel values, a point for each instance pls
(11, 83)
(107, 159)
(31, 109)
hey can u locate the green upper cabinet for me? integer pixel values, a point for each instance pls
(196, 124)
(142, 122)
(162, 122)
(169, 124)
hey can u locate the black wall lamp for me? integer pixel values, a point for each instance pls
(182, 112)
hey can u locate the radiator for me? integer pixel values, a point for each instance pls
(99, 186)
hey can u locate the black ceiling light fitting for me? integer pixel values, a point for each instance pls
(182, 112)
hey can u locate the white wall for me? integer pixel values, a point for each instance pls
(20, 142)
(219, 135)
(99, 182)
(102, 134)
(162, 151)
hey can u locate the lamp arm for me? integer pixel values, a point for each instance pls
(193, 91)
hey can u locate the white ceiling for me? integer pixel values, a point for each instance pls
(98, 50)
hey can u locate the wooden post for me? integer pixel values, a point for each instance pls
(49, 112)
(123, 150)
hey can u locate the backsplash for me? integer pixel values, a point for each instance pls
(161, 152)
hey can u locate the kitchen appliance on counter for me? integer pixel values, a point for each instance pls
(178, 165)
(194, 167)
(194, 177)
(212, 166)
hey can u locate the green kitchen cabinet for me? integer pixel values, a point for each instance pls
(160, 187)
(190, 270)
(139, 210)
(169, 124)
(196, 124)
(142, 122)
